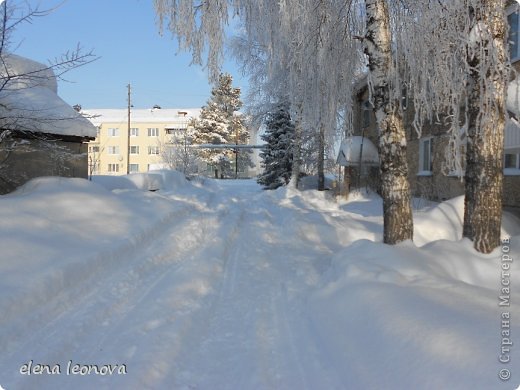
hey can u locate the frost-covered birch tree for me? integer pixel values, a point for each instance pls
(395, 189)
(487, 57)
(304, 45)
(458, 72)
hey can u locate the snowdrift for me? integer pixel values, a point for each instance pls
(58, 232)
(219, 284)
(166, 180)
(413, 317)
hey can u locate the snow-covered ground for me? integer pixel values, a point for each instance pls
(220, 285)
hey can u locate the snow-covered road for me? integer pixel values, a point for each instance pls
(212, 299)
(220, 285)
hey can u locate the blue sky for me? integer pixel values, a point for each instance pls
(124, 34)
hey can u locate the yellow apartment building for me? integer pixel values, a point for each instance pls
(133, 144)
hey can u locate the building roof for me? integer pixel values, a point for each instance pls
(29, 101)
(147, 115)
(350, 152)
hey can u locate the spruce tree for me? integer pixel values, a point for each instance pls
(219, 124)
(278, 155)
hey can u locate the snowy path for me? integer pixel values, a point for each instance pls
(220, 285)
(213, 300)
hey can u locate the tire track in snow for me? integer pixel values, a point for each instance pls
(254, 339)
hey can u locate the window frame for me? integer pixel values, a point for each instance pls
(153, 132)
(113, 150)
(513, 36)
(113, 131)
(422, 171)
(516, 165)
(154, 149)
(111, 167)
(365, 113)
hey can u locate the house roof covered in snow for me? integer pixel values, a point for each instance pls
(29, 101)
(356, 149)
(148, 115)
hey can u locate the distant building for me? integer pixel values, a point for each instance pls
(118, 149)
(40, 134)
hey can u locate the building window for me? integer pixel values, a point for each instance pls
(113, 150)
(511, 160)
(153, 132)
(404, 98)
(134, 168)
(113, 168)
(153, 150)
(113, 132)
(425, 156)
(134, 149)
(366, 113)
(134, 132)
(175, 131)
(513, 20)
(94, 149)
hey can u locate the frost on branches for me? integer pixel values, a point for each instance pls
(458, 73)
(449, 55)
(219, 124)
(278, 155)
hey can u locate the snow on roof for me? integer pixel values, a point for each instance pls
(350, 151)
(29, 101)
(148, 115)
(513, 97)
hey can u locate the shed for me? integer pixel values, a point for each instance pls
(40, 134)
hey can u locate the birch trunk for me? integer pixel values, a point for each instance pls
(486, 115)
(395, 189)
(321, 159)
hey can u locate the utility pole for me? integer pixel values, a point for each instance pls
(128, 149)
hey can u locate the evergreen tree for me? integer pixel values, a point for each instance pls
(219, 124)
(278, 156)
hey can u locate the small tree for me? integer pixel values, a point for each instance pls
(177, 153)
(219, 125)
(278, 155)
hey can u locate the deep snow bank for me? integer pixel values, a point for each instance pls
(412, 316)
(424, 317)
(165, 180)
(57, 232)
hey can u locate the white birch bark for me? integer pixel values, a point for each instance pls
(487, 56)
(397, 212)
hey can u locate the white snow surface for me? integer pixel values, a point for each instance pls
(99, 116)
(220, 285)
